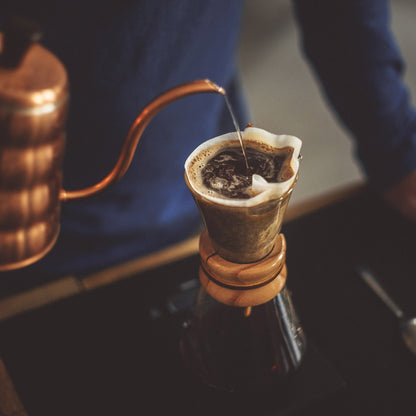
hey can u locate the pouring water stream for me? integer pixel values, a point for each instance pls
(237, 128)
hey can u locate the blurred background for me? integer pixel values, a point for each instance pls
(285, 98)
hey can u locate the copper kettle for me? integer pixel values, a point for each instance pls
(33, 106)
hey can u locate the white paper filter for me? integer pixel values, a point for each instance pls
(267, 191)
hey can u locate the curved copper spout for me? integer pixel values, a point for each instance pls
(135, 132)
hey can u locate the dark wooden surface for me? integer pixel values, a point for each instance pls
(351, 326)
(114, 350)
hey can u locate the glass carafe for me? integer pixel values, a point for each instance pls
(241, 349)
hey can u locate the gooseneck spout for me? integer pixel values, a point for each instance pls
(136, 131)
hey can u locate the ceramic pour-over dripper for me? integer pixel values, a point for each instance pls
(244, 230)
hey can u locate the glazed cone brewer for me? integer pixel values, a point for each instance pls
(33, 106)
(244, 334)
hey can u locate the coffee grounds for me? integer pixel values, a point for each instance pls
(226, 172)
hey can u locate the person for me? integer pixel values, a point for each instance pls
(121, 54)
(354, 54)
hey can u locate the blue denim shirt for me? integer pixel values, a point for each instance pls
(351, 48)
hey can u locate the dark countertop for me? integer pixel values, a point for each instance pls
(114, 350)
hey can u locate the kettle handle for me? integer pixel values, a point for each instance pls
(135, 132)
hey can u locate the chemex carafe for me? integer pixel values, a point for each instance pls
(244, 334)
(34, 93)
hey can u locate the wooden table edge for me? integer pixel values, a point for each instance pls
(71, 285)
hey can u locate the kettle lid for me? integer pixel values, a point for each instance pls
(32, 79)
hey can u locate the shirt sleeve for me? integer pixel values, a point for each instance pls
(354, 55)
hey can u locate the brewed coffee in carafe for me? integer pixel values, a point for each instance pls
(243, 349)
(244, 334)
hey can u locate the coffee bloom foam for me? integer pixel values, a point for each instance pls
(264, 191)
